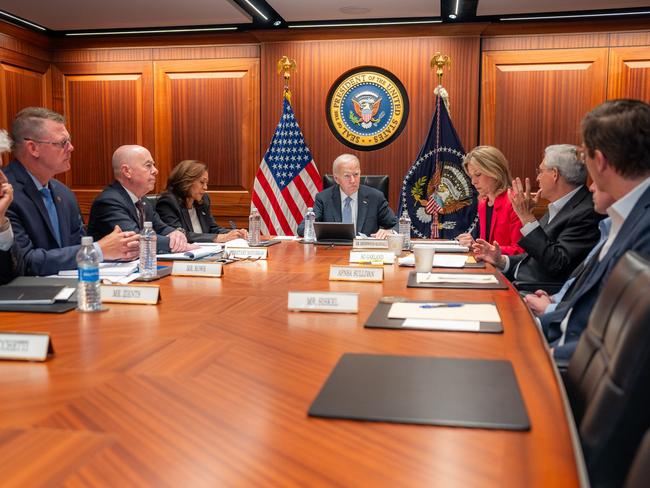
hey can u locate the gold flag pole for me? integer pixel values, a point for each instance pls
(285, 66)
(439, 62)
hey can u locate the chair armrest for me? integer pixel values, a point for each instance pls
(532, 286)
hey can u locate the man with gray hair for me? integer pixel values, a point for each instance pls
(556, 244)
(44, 213)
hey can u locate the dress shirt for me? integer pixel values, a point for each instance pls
(604, 226)
(39, 187)
(196, 223)
(617, 212)
(6, 235)
(353, 206)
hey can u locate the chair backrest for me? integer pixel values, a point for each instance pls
(380, 182)
(152, 199)
(640, 471)
(608, 378)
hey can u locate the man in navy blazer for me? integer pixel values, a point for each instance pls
(369, 206)
(135, 175)
(44, 214)
(616, 137)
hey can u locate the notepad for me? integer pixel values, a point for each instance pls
(464, 278)
(439, 260)
(468, 311)
(202, 252)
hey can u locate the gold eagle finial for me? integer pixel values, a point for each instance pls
(285, 66)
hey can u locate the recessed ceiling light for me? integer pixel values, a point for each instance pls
(452, 16)
(352, 10)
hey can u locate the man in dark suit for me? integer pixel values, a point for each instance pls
(44, 214)
(349, 201)
(616, 150)
(559, 242)
(121, 203)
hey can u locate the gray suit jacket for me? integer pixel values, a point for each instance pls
(373, 211)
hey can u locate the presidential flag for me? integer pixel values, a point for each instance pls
(287, 180)
(436, 192)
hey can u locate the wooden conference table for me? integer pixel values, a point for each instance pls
(211, 388)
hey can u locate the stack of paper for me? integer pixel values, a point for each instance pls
(465, 317)
(108, 270)
(439, 260)
(464, 278)
(203, 251)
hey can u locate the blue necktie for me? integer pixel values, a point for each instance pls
(51, 211)
(347, 211)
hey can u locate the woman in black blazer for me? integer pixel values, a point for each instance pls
(185, 204)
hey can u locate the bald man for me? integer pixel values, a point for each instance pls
(121, 202)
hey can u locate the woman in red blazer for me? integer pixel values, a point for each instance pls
(488, 169)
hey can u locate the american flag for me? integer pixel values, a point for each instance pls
(287, 180)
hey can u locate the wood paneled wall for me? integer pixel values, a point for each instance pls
(218, 98)
(320, 63)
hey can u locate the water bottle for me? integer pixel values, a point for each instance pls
(148, 263)
(89, 298)
(254, 224)
(310, 218)
(405, 229)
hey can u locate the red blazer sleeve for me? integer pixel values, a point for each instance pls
(506, 226)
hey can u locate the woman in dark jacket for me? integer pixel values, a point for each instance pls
(185, 204)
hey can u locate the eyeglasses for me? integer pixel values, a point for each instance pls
(539, 170)
(60, 144)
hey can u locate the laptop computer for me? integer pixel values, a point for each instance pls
(334, 233)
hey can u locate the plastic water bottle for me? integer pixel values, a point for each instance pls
(89, 298)
(254, 225)
(405, 229)
(148, 263)
(310, 218)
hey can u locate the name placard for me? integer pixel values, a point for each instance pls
(197, 268)
(25, 346)
(370, 243)
(323, 301)
(246, 252)
(372, 257)
(140, 295)
(356, 273)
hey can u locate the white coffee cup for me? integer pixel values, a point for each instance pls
(423, 257)
(395, 243)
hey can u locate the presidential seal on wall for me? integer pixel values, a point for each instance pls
(367, 108)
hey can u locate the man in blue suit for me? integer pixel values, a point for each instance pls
(44, 214)
(616, 150)
(349, 201)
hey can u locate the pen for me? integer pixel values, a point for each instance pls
(441, 305)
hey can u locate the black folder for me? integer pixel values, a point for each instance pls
(379, 320)
(38, 281)
(477, 393)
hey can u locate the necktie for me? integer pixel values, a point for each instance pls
(140, 208)
(51, 212)
(347, 211)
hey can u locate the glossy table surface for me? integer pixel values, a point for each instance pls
(211, 387)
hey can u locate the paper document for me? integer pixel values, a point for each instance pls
(108, 269)
(479, 312)
(451, 325)
(202, 252)
(287, 238)
(464, 278)
(237, 243)
(439, 260)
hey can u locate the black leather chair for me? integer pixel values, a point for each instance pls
(640, 471)
(380, 182)
(608, 377)
(152, 199)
